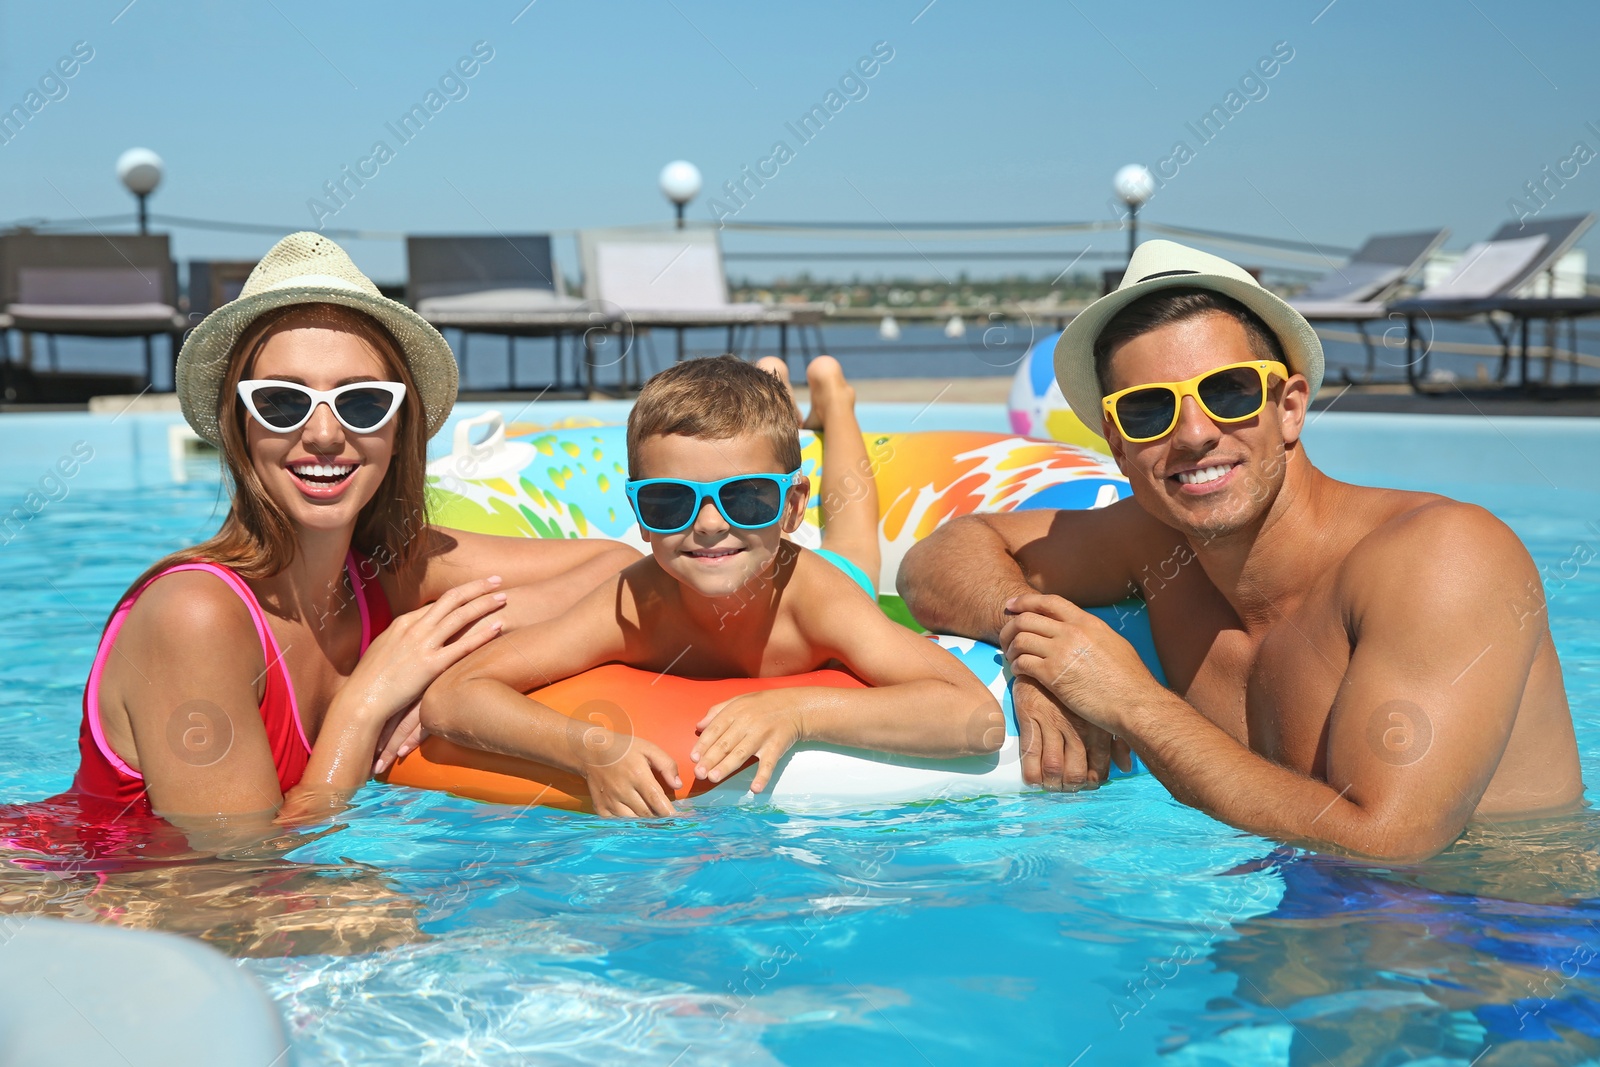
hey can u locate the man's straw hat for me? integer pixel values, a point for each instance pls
(1169, 265)
(307, 268)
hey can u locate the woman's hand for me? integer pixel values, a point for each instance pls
(400, 737)
(764, 725)
(419, 646)
(621, 771)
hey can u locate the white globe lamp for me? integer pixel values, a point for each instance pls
(1134, 185)
(140, 170)
(680, 183)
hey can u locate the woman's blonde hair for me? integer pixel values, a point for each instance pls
(257, 540)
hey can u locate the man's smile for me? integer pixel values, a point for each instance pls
(1206, 477)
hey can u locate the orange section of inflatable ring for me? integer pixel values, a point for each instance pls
(661, 708)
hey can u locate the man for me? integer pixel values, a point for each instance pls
(1356, 669)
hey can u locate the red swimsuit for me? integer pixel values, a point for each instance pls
(102, 774)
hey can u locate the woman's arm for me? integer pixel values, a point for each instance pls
(398, 666)
(187, 666)
(543, 577)
(193, 663)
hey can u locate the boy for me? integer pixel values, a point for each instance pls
(713, 462)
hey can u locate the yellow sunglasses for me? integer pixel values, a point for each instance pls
(1227, 394)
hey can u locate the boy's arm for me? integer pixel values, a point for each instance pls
(921, 700)
(480, 703)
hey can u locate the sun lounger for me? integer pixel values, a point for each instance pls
(672, 278)
(1376, 270)
(487, 282)
(506, 286)
(95, 286)
(1490, 280)
(1357, 291)
(214, 282)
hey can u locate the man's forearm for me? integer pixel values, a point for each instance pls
(958, 579)
(1204, 767)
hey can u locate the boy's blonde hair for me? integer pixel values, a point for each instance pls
(714, 399)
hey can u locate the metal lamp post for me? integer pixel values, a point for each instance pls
(680, 183)
(140, 170)
(1134, 185)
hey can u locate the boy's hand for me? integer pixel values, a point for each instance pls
(625, 785)
(764, 725)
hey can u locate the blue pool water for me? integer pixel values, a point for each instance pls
(1108, 928)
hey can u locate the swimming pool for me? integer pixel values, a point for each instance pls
(1117, 927)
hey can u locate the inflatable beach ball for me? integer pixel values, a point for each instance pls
(1036, 405)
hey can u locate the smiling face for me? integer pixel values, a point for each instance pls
(713, 557)
(1205, 479)
(321, 475)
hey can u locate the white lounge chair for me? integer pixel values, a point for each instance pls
(674, 278)
(1356, 292)
(1491, 277)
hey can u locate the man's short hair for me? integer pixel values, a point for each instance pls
(1178, 304)
(715, 399)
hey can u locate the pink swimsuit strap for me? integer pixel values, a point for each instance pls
(269, 645)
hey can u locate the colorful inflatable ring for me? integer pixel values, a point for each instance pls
(665, 709)
(662, 708)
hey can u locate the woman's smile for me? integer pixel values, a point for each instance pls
(323, 478)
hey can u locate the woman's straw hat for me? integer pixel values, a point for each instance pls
(307, 268)
(1167, 265)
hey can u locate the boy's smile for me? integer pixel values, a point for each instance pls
(713, 557)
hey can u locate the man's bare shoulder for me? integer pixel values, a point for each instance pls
(1423, 549)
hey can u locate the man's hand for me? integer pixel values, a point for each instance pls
(764, 725)
(622, 775)
(1060, 751)
(1088, 667)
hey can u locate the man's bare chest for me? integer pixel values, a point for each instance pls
(1271, 686)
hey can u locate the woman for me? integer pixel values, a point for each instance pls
(259, 672)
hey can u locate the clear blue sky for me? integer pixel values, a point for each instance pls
(1389, 116)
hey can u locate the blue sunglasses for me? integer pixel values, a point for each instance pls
(748, 501)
